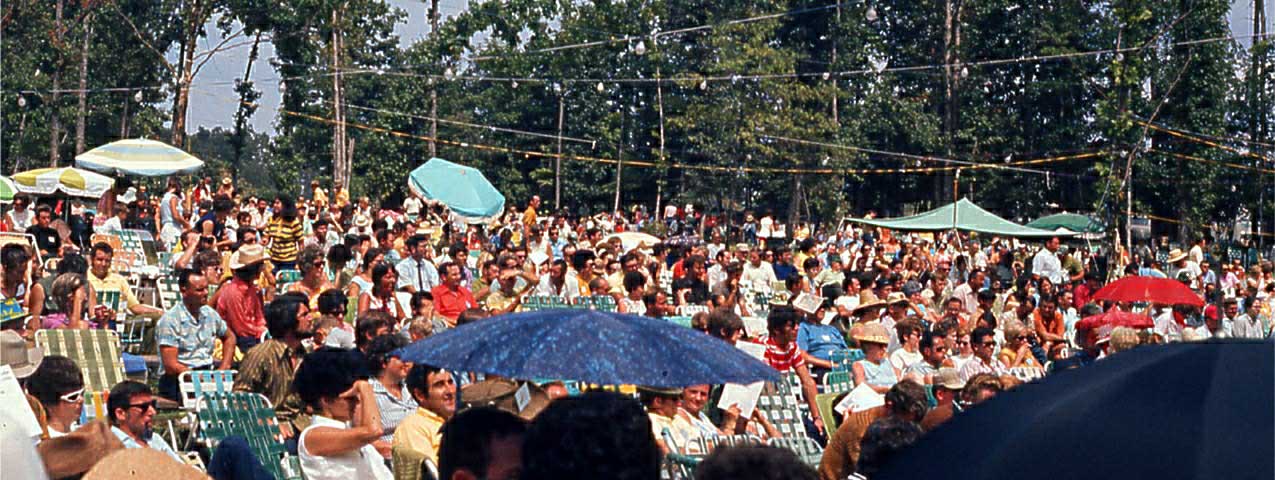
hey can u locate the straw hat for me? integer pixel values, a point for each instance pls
(873, 332)
(502, 393)
(867, 300)
(897, 298)
(1175, 255)
(949, 378)
(15, 354)
(141, 463)
(78, 451)
(247, 255)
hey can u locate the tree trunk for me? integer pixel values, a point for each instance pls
(433, 94)
(340, 160)
(84, 74)
(193, 25)
(244, 111)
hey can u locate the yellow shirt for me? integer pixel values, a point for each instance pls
(529, 216)
(419, 432)
(114, 282)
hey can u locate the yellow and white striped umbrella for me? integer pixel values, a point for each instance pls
(71, 181)
(138, 156)
(7, 190)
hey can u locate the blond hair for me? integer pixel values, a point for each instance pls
(1122, 338)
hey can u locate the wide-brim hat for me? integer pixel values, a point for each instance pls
(873, 332)
(1175, 255)
(247, 255)
(142, 463)
(867, 300)
(362, 221)
(897, 298)
(77, 452)
(665, 391)
(949, 378)
(15, 354)
(503, 394)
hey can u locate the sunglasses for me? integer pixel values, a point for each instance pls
(72, 397)
(989, 344)
(145, 405)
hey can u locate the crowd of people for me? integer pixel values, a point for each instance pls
(311, 300)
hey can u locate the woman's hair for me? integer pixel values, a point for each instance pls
(13, 257)
(288, 207)
(380, 271)
(1122, 338)
(324, 374)
(305, 260)
(65, 285)
(56, 376)
(331, 301)
(381, 349)
(371, 255)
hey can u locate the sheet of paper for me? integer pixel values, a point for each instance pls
(754, 326)
(15, 405)
(745, 396)
(861, 398)
(757, 350)
(807, 303)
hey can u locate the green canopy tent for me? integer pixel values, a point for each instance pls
(1072, 222)
(962, 215)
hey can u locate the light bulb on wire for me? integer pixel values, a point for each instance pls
(513, 84)
(449, 73)
(601, 88)
(703, 84)
(871, 14)
(22, 101)
(137, 97)
(640, 48)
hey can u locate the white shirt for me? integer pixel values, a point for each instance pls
(901, 359)
(1047, 265)
(570, 287)
(761, 276)
(1167, 327)
(1196, 254)
(21, 220)
(364, 463)
(420, 275)
(1245, 326)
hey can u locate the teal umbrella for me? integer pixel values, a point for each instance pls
(463, 189)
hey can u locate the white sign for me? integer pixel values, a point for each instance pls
(863, 397)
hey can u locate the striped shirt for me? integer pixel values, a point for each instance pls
(393, 409)
(285, 239)
(783, 358)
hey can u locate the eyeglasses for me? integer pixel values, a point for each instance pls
(989, 344)
(145, 405)
(72, 397)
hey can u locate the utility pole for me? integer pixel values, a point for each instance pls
(557, 161)
(433, 91)
(619, 160)
(339, 164)
(55, 122)
(659, 102)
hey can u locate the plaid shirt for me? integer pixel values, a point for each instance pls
(192, 337)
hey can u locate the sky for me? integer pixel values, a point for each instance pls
(213, 100)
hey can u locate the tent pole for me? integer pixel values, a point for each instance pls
(956, 193)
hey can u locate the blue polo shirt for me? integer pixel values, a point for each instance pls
(819, 340)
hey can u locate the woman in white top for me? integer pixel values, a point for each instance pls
(338, 443)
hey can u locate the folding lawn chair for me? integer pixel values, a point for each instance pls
(806, 449)
(249, 415)
(197, 383)
(838, 381)
(97, 353)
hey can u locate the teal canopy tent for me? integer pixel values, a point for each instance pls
(962, 215)
(463, 189)
(1073, 222)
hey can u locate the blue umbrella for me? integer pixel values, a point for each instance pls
(1186, 410)
(589, 346)
(463, 189)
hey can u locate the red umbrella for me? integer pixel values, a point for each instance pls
(1115, 318)
(1149, 289)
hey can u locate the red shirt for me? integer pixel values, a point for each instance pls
(783, 358)
(1082, 295)
(449, 303)
(240, 305)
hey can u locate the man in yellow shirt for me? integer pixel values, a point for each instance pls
(529, 216)
(103, 280)
(435, 392)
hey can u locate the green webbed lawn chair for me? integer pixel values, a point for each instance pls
(248, 415)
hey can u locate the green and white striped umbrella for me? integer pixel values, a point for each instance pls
(71, 181)
(7, 190)
(138, 156)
